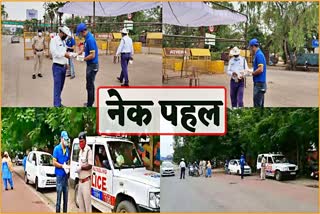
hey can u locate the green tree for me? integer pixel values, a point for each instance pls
(4, 14)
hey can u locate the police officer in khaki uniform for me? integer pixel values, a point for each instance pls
(84, 171)
(38, 46)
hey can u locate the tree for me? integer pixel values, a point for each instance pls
(51, 9)
(4, 14)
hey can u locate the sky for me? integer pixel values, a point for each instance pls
(166, 145)
(17, 10)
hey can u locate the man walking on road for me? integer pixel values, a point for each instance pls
(126, 50)
(61, 157)
(242, 164)
(84, 171)
(259, 74)
(182, 166)
(60, 58)
(263, 168)
(38, 46)
(91, 57)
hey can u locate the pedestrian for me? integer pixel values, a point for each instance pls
(242, 164)
(236, 67)
(38, 46)
(259, 74)
(84, 170)
(24, 161)
(204, 167)
(263, 168)
(71, 46)
(91, 57)
(182, 166)
(126, 50)
(209, 170)
(60, 58)
(61, 157)
(7, 170)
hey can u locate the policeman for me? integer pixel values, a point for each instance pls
(263, 168)
(61, 157)
(126, 50)
(182, 166)
(38, 46)
(60, 58)
(91, 57)
(84, 171)
(242, 164)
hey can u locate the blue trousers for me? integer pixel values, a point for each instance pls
(5, 182)
(236, 93)
(209, 172)
(62, 188)
(59, 76)
(124, 67)
(91, 72)
(259, 89)
(71, 67)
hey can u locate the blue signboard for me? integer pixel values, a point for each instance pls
(315, 43)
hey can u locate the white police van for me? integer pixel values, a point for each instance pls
(120, 182)
(277, 166)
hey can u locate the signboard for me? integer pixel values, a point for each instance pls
(31, 14)
(129, 16)
(211, 39)
(128, 24)
(105, 36)
(177, 52)
(315, 43)
(13, 29)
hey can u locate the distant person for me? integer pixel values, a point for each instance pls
(7, 170)
(242, 164)
(71, 46)
(263, 168)
(126, 51)
(237, 64)
(209, 170)
(38, 46)
(24, 162)
(259, 74)
(182, 167)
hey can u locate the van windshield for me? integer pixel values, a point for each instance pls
(124, 155)
(46, 160)
(280, 159)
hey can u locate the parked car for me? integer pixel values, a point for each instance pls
(40, 170)
(234, 167)
(167, 168)
(15, 39)
(19, 159)
(120, 181)
(277, 166)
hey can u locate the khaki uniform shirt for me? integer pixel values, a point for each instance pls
(38, 42)
(85, 157)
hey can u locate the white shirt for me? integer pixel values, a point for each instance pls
(58, 49)
(182, 164)
(125, 46)
(236, 65)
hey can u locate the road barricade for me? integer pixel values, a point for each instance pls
(27, 44)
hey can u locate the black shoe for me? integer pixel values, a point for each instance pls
(6, 189)
(72, 77)
(11, 188)
(40, 75)
(125, 85)
(118, 78)
(33, 76)
(68, 75)
(62, 105)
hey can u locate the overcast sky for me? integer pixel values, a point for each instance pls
(17, 10)
(166, 145)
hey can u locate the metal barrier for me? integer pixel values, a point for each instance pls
(154, 40)
(27, 44)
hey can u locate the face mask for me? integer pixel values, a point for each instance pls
(40, 34)
(82, 144)
(236, 56)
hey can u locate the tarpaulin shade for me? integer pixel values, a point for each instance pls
(197, 14)
(107, 9)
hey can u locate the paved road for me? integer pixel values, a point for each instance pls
(228, 193)
(285, 88)
(48, 195)
(23, 198)
(20, 90)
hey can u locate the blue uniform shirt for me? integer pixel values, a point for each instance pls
(242, 162)
(61, 157)
(70, 43)
(24, 162)
(259, 59)
(90, 45)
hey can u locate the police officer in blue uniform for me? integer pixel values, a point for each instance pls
(61, 157)
(91, 57)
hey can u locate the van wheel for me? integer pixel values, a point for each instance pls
(76, 189)
(37, 184)
(126, 207)
(278, 176)
(26, 178)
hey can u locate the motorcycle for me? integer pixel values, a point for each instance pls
(194, 171)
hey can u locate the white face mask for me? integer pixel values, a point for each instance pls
(40, 34)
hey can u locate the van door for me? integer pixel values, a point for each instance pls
(32, 169)
(269, 170)
(102, 176)
(259, 162)
(74, 159)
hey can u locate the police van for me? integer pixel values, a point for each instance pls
(120, 182)
(277, 166)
